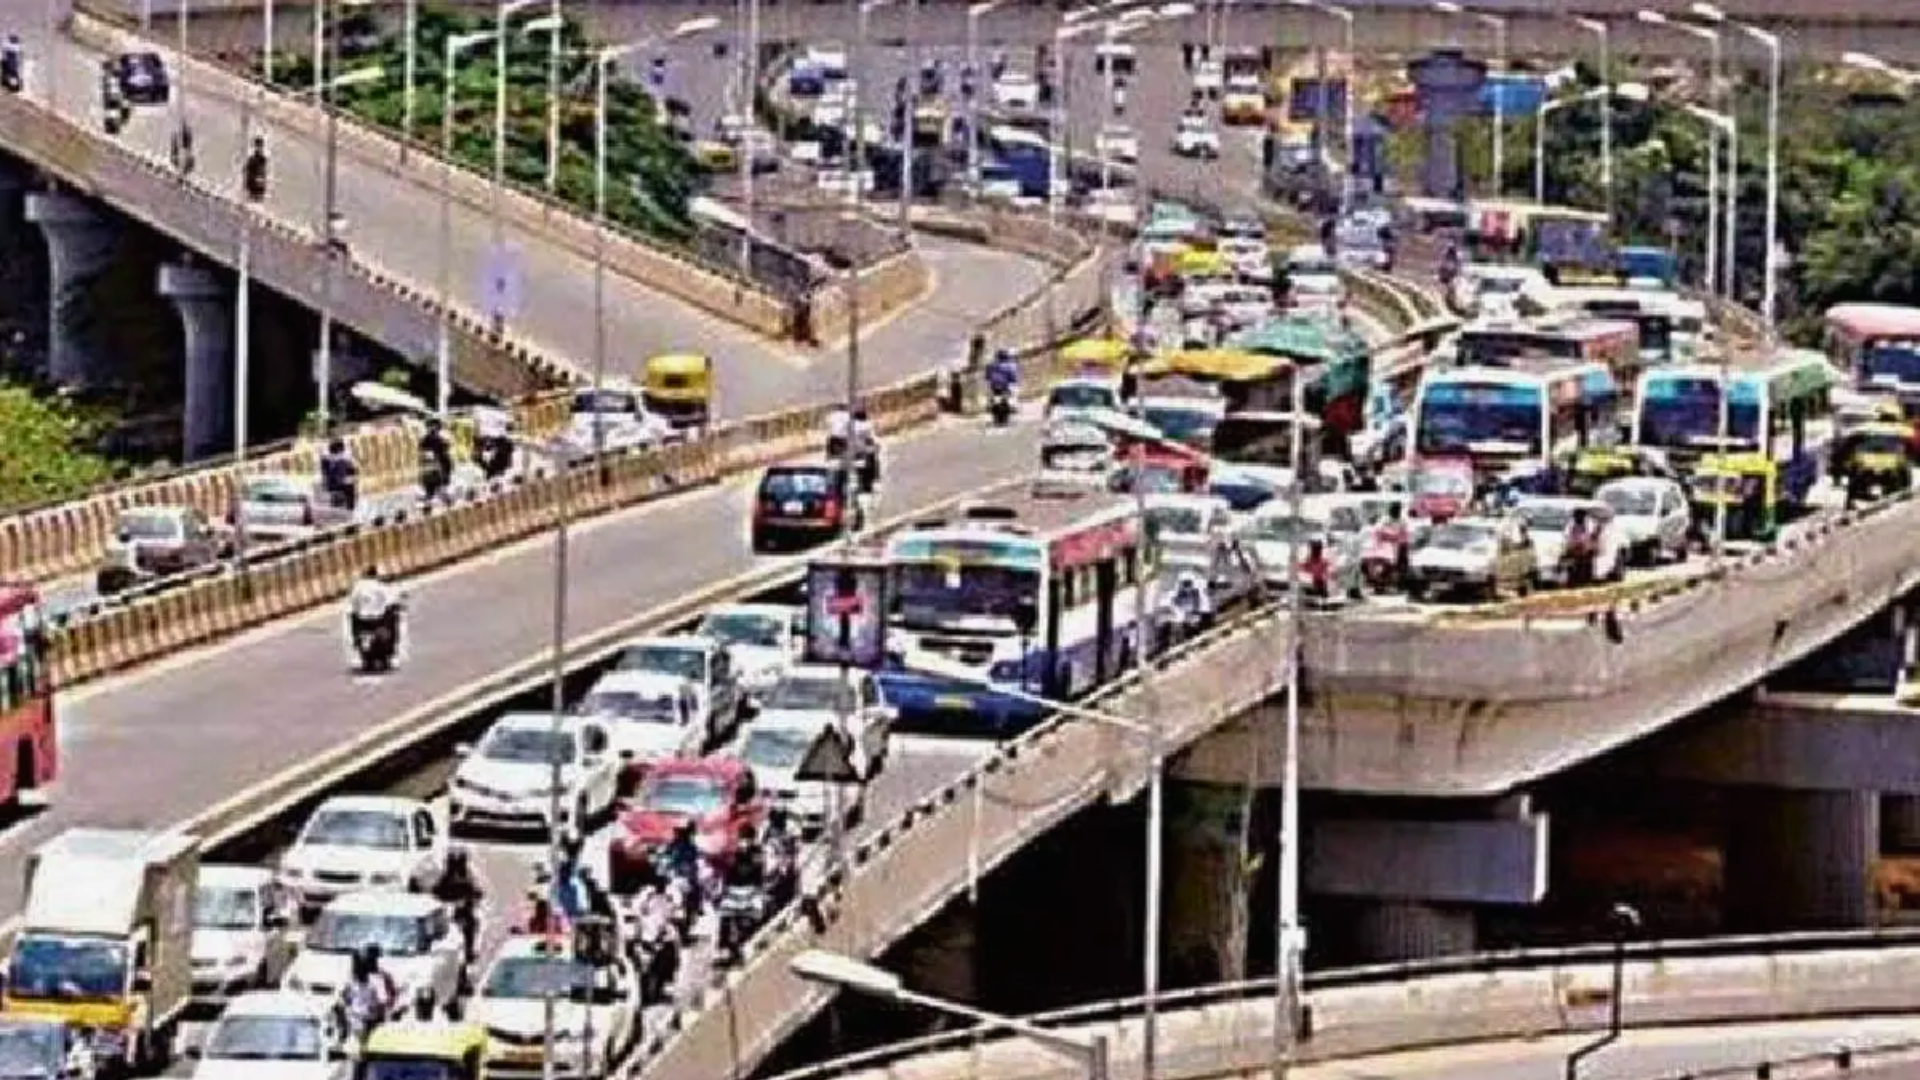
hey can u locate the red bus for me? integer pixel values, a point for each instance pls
(26, 694)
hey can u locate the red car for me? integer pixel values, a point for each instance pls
(1440, 489)
(717, 794)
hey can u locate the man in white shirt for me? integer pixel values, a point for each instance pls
(839, 429)
(373, 605)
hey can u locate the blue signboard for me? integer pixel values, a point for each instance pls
(1518, 95)
(1572, 243)
(1310, 99)
(1447, 85)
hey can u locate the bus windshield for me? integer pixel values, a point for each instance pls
(931, 595)
(1467, 417)
(1891, 361)
(1259, 440)
(1685, 412)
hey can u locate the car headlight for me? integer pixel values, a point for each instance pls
(383, 879)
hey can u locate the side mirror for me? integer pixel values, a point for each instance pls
(192, 1051)
(463, 750)
(143, 982)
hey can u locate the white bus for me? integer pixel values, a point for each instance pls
(1784, 411)
(1501, 417)
(1670, 326)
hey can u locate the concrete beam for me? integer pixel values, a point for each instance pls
(1465, 862)
(1813, 742)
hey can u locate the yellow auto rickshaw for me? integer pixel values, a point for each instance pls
(1873, 460)
(716, 156)
(1746, 487)
(1202, 265)
(1103, 354)
(1592, 466)
(679, 387)
(425, 1050)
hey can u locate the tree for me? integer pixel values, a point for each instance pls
(651, 175)
(41, 441)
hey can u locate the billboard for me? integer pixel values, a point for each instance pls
(847, 604)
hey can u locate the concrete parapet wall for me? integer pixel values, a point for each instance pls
(885, 289)
(733, 300)
(209, 221)
(1348, 1022)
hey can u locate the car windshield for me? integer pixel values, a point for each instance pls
(1545, 517)
(266, 1038)
(1880, 443)
(683, 663)
(1443, 483)
(1285, 528)
(634, 705)
(217, 907)
(1176, 519)
(1082, 395)
(809, 695)
(35, 1051)
(1458, 536)
(776, 748)
(682, 793)
(351, 931)
(756, 629)
(1184, 423)
(276, 492)
(407, 1068)
(528, 745)
(149, 526)
(67, 969)
(604, 402)
(1631, 501)
(357, 828)
(787, 485)
(537, 978)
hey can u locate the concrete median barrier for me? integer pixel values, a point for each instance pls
(885, 289)
(731, 298)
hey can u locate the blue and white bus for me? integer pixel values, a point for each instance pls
(1784, 410)
(1502, 417)
(1033, 593)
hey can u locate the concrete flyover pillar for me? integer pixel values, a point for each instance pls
(80, 242)
(1388, 930)
(1802, 859)
(206, 320)
(1208, 879)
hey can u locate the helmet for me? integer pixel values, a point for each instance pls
(370, 953)
(457, 858)
(777, 816)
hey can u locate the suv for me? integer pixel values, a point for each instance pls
(803, 503)
(701, 661)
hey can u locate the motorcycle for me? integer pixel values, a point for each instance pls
(656, 956)
(254, 178)
(742, 908)
(376, 642)
(1577, 566)
(1000, 406)
(10, 78)
(496, 456)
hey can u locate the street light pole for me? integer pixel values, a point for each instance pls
(1498, 25)
(553, 96)
(443, 343)
(1289, 936)
(503, 12)
(1623, 920)
(1769, 296)
(975, 12)
(1600, 30)
(410, 63)
(1712, 38)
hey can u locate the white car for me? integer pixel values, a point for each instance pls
(1117, 142)
(1652, 515)
(1178, 517)
(774, 748)
(1075, 458)
(1490, 288)
(1482, 556)
(420, 949)
(527, 977)
(829, 59)
(702, 661)
(1081, 396)
(616, 416)
(1115, 206)
(846, 182)
(508, 779)
(762, 638)
(1016, 90)
(240, 939)
(1315, 294)
(274, 507)
(649, 716)
(820, 694)
(1196, 137)
(1547, 519)
(356, 842)
(1209, 76)
(1251, 260)
(273, 1035)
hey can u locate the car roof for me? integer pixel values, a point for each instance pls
(642, 681)
(1638, 482)
(688, 642)
(811, 467)
(1182, 500)
(276, 1003)
(235, 875)
(1566, 502)
(812, 672)
(719, 767)
(534, 721)
(772, 611)
(392, 804)
(525, 945)
(384, 903)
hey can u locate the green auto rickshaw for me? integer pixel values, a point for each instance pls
(1746, 487)
(1871, 460)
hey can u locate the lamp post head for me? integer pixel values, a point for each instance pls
(1651, 17)
(1591, 26)
(693, 26)
(1178, 10)
(545, 24)
(1448, 7)
(1633, 91)
(462, 42)
(1625, 919)
(1707, 12)
(1865, 62)
(840, 970)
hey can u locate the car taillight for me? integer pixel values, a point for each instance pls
(830, 509)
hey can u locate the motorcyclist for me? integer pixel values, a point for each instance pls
(436, 460)
(369, 993)
(866, 448)
(1580, 549)
(11, 64)
(682, 854)
(460, 890)
(1394, 531)
(748, 867)
(1003, 373)
(340, 475)
(493, 440)
(1317, 570)
(253, 170)
(781, 845)
(425, 1008)
(181, 148)
(839, 431)
(1450, 263)
(374, 605)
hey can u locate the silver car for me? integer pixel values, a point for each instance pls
(272, 507)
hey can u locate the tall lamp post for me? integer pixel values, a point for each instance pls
(1729, 125)
(330, 231)
(504, 12)
(1498, 24)
(975, 12)
(1345, 15)
(1599, 29)
(1622, 921)
(1602, 94)
(1725, 123)
(1712, 38)
(1712, 13)
(603, 61)
(846, 973)
(456, 44)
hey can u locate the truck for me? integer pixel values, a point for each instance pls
(105, 941)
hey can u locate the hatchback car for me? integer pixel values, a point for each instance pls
(1477, 556)
(272, 507)
(358, 842)
(718, 796)
(141, 78)
(420, 948)
(802, 504)
(240, 938)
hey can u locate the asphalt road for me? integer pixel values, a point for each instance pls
(1640, 1055)
(165, 742)
(395, 223)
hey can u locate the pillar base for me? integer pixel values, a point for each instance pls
(1802, 860)
(206, 319)
(1392, 930)
(1207, 884)
(80, 242)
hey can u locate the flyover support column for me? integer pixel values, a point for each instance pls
(80, 242)
(1390, 930)
(1803, 859)
(206, 319)
(1208, 883)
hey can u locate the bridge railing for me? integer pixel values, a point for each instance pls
(1222, 1029)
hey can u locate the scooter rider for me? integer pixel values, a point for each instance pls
(11, 64)
(1580, 549)
(748, 867)
(460, 890)
(1003, 373)
(340, 475)
(374, 605)
(436, 460)
(866, 448)
(839, 431)
(253, 171)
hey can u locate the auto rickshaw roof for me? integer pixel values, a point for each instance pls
(426, 1039)
(1747, 464)
(1880, 427)
(680, 363)
(1102, 351)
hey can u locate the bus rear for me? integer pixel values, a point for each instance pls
(1677, 411)
(26, 695)
(1879, 345)
(1495, 418)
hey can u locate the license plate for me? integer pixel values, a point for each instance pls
(793, 507)
(522, 1055)
(953, 701)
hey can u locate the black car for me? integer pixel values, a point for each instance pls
(142, 78)
(803, 504)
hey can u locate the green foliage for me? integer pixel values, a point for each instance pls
(1849, 168)
(42, 440)
(651, 176)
